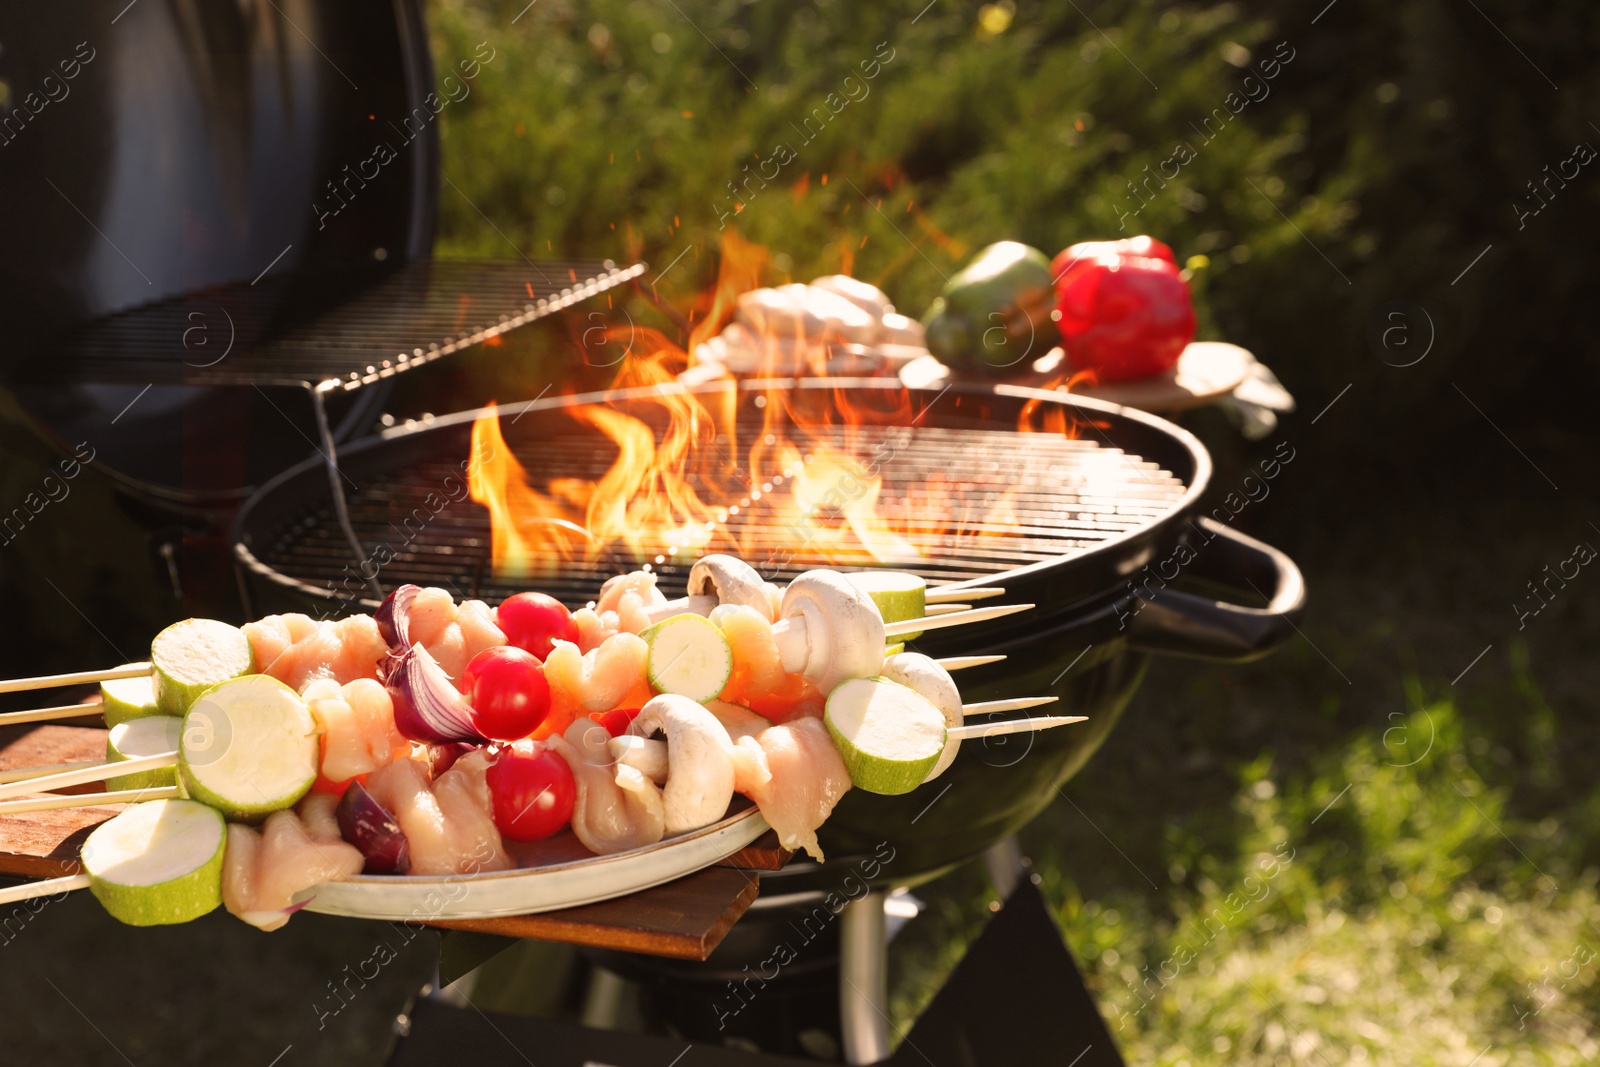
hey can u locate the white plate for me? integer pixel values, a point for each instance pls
(559, 873)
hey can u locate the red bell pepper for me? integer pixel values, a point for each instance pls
(1125, 312)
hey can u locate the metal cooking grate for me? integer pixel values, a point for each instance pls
(301, 329)
(972, 502)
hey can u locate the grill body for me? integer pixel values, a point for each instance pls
(1093, 570)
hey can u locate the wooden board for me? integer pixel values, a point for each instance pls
(762, 854)
(685, 919)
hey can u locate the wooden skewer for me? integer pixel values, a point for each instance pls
(1012, 726)
(49, 887)
(958, 663)
(98, 772)
(947, 609)
(960, 618)
(21, 774)
(49, 681)
(989, 707)
(88, 800)
(65, 711)
(945, 594)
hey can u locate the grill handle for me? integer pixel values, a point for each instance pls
(1175, 623)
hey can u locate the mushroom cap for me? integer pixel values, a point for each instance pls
(934, 684)
(699, 769)
(844, 631)
(732, 581)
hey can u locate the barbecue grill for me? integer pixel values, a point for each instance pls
(1090, 534)
(181, 295)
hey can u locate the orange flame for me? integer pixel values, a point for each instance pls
(683, 482)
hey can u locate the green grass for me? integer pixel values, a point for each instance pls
(1371, 910)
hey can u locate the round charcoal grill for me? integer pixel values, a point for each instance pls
(1097, 527)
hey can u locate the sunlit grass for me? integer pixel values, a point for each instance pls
(1376, 912)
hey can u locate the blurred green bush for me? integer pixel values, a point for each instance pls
(1388, 149)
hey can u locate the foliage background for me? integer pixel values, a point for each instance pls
(1388, 154)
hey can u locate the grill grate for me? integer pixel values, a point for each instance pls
(974, 502)
(301, 329)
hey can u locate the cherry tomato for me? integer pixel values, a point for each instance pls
(508, 692)
(533, 791)
(532, 621)
(617, 722)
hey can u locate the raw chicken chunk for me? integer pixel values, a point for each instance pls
(297, 649)
(453, 633)
(448, 824)
(594, 628)
(600, 680)
(357, 721)
(264, 870)
(617, 807)
(623, 601)
(807, 780)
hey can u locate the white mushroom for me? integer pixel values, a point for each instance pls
(829, 630)
(718, 579)
(644, 755)
(750, 772)
(699, 770)
(934, 684)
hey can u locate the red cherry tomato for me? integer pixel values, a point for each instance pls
(531, 621)
(533, 791)
(617, 722)
(1125, 311)
(508, 692)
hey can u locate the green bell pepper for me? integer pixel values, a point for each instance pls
(994, 314)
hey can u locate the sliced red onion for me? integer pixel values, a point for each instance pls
(368, 825)
(394, 617)
(427, 705)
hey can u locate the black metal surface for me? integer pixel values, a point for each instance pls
(1103, 603)
(353, 327)
(171, 147)
(160, 148)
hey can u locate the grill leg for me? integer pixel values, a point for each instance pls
(864, 981)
